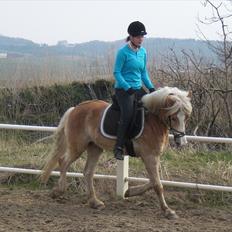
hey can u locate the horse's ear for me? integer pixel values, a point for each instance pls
(190, 94)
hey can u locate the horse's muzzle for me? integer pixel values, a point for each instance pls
(180, 141)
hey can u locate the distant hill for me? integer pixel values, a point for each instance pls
(17, 45)
(6, 42)
(156, 47)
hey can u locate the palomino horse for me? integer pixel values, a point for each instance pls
(79, 130)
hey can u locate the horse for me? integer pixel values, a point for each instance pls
(168, 109)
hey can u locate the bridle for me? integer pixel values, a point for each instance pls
(177, 134)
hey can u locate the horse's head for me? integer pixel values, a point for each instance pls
(173, 107)
(175, 114)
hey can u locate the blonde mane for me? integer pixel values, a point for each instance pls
(156, 100)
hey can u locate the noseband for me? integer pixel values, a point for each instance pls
(177, 134)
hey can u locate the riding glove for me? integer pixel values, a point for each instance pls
(152, 90)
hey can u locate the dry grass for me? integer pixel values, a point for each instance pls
(49, 70)
(190, 165)
(198, 165)
(15, 152)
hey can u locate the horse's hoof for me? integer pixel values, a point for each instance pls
(171, 215)
(96, 204)
(56, 193)
(127, 193)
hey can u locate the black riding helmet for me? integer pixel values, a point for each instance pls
(136, 28)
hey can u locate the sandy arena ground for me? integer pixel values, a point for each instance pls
(35, 210)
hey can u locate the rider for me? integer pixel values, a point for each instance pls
(129, 72)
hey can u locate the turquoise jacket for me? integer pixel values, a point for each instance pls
(130, 69)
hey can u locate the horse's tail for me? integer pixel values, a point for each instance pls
(58, 149)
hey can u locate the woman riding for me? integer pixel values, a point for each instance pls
(130, 71)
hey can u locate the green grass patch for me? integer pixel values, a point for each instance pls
(188, 165)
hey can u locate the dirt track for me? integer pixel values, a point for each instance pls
(26, 210)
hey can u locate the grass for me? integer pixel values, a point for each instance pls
(15, 151)
(192, 165)
(188, 165)
(197, 165)
(45, 71)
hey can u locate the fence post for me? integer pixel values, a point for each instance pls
(122, 176)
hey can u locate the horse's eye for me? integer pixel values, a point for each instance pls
(174, 119)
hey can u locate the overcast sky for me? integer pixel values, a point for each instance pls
(80, 21)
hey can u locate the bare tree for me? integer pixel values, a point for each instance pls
(220, 82)
(209, 80)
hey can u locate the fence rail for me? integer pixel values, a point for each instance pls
(111, 177)
(122, 177)
(52, 129)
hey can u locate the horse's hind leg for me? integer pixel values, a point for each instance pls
(94, 153)
(64, 162)
(138, 190)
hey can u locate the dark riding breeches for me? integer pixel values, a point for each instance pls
(126, 103)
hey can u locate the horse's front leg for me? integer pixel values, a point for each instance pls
(152, 163)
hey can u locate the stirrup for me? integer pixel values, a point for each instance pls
(118, 153)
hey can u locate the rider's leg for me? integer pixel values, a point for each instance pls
(126, 103)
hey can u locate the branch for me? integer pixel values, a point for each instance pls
(221, 90)
(210, 125)
(193, 62)
(230, 53)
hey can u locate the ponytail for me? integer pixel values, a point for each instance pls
(128, 38)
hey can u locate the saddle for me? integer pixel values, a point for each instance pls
(110, 121)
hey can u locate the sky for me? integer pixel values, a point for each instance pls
(81, 21)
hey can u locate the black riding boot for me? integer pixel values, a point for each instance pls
(118, 153)
(121, 139)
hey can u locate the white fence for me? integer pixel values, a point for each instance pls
(122, 177)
